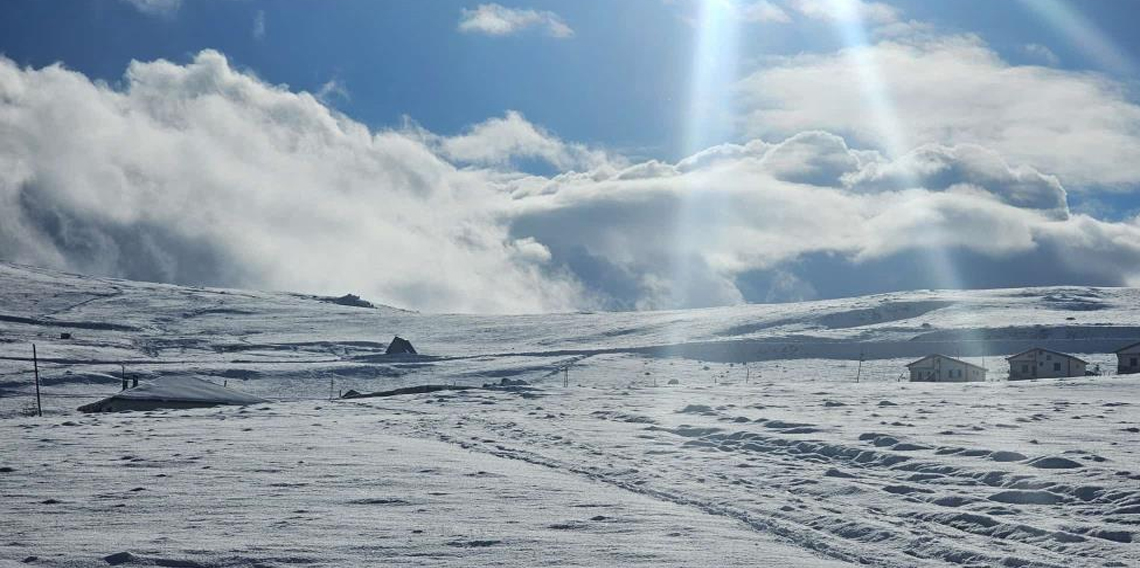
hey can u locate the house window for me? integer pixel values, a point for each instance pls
(1056, 366)
(1025, 368)
(1048, 357)
(1132, 362)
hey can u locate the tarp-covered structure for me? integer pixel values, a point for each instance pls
(176, 391)
(400, 346)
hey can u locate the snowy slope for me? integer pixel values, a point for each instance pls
(765, 450)
(240, 334)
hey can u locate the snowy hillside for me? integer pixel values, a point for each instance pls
(236, 334)
(727, 436)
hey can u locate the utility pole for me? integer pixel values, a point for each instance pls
(859, 371)
(36, 370)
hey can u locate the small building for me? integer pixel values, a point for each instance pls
(1128, 359)
(1038, 363)
(171, 392)
(942, 369)
(400, 346)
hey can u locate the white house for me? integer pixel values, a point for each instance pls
(942, 369)
(1038, 363)
(1128, 359)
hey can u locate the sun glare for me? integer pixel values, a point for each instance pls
(1064, 17)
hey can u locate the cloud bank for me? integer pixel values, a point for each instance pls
(954, 90)
(750, 211)
(199, 173)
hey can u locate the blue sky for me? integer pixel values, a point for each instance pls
(622, 81)
(616, 155)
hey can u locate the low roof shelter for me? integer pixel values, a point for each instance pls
(172, 392)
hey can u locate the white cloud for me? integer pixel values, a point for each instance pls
(200, 173)
(500, 141)
(1041, 53)
(332, 88)
(764, 11)
(156, 7)
(761, 207)
(938, 167)
(259, 25)
(954, 90)
(497, 20)
(847, 10)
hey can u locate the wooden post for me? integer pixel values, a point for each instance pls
(566, 376)
(859, 372)
(36, 370)
(331, 388)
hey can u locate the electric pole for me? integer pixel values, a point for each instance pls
(36, 370)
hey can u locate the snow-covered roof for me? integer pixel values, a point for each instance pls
(184, 389)
(947, 357)
(1075, 358)
(1128, 347)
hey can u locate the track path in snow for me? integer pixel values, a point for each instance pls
(884, 495)
(314, 484)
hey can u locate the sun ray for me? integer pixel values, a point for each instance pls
(1084, 35)
(709, 122)
(851, 27)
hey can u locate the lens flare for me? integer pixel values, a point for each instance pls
(714, 70)
(852, 30)
(1084, 35)
(849, 20)
(710, 121)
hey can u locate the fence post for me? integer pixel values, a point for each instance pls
(36, 370)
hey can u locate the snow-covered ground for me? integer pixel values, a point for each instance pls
(764, 450)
